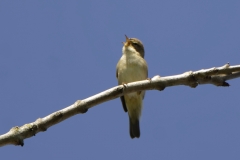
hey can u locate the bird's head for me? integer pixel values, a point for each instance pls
(134, 44)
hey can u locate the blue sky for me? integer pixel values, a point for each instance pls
(55, 52)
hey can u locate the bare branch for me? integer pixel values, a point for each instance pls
(216, 76)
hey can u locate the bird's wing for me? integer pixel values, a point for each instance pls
(122, 97)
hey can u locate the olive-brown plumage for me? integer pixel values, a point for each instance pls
(132, 67)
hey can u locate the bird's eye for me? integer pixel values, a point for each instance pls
(134, 44)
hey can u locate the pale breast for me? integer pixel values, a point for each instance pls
(131, 68)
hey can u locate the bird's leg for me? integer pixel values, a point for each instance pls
(124, 84)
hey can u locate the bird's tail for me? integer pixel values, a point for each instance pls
(134, 128)
(134, 107)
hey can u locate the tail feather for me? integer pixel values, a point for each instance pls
(134, 128)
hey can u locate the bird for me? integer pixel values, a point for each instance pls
(130, 68)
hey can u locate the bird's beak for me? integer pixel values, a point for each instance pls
(127, 43)
(127, 39)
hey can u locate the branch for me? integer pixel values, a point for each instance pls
(216, 76)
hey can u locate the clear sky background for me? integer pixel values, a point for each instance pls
(53, 53)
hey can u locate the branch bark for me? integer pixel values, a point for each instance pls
(216, 76)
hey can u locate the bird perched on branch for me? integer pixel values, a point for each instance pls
(130, 68)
